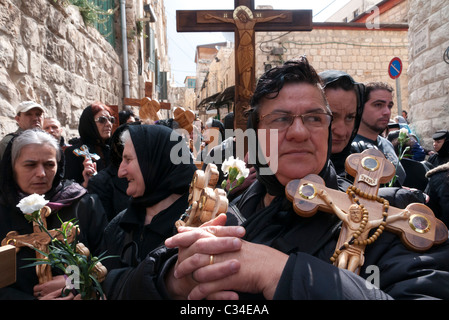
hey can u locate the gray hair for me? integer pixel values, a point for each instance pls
(36, 137)
(125, 136)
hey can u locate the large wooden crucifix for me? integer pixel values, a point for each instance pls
(361, 210)
(244, 21)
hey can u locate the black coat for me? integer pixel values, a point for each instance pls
(111, 190)
(127, 238)
(310, 242)
(438, 191)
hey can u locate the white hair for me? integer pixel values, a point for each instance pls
(36, 137)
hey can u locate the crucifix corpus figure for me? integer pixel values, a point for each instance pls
(354, 232)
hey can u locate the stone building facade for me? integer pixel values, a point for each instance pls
(361, 52)
(428, 71)
(47, 54)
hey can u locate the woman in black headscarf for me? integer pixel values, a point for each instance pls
(33, 163)
(283, 255)
(345, 97)
(95, 130)
(159, 168)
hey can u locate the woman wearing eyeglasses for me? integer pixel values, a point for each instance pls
(274, 253)
(95, 130)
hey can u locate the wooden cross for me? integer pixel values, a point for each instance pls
(148, 107)
(39, 240)
(205, 202)
(417, 226)
(244, 21)
(184, 118)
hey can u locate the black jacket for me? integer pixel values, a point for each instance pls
(438, 191)
(310, 242)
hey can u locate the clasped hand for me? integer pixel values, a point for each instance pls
(237, 265)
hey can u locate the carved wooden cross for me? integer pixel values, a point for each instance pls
(184, 118)
(148, 107)
(205, 202)
(40, 240)
(417, 226)
(244, 21)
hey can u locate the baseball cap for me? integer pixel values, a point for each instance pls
(440, 134)
(28, 105)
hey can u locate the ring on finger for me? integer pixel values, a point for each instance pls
(211, 259)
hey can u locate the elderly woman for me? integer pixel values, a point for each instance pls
(33, 164)
(283, 255)
(95, 130)
(159, 177)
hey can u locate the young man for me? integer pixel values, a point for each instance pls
(375, 119)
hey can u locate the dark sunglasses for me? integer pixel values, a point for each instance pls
(104, 119)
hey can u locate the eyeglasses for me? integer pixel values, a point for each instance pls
(282, 120)
(104, 119)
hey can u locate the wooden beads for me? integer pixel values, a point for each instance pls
(355, 193)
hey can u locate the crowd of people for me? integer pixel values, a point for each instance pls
(127, 193)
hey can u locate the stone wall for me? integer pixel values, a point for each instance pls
(47, 54)
(363, 53)
(428, 73)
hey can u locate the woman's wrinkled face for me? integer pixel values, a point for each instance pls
(300, 150)
(344, 110)
(104, 127)
(35, 168)
(130, 169)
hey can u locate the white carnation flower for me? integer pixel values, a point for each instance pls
(32, 203)
(231, 162)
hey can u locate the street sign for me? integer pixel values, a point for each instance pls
(395, 68)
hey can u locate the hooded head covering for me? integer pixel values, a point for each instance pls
(270, 84)
(165, 161)
(88, 130)
(339, 79)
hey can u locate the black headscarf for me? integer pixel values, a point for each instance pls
(330, 77)
(157, 153)
(270, 83)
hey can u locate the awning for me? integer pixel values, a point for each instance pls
(204, 104)
(225, 97)
(217, 100)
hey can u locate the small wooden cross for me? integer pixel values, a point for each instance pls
(205, 202)
(148, 107)
(417, 226)
(39, 240)
(184, 118)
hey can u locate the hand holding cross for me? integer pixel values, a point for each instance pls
(205, 202)
(40, 240)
